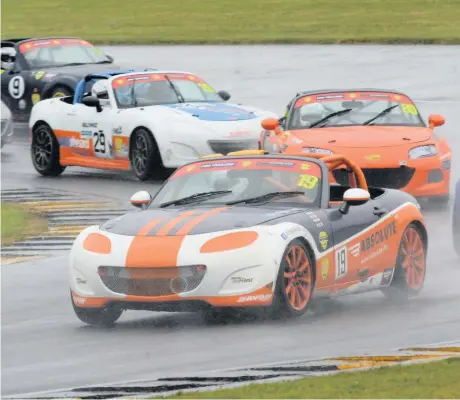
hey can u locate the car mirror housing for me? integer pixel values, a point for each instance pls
(224, 94)
(354, 197)
(141, 199)
(270, 124)
(436, 120)
(92, 101)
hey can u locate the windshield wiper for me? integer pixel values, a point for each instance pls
(194, 197)
(337, 113)
(265, 197)
(380, 114)
(176, 90)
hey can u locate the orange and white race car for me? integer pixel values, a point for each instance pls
(380, 130)
(250, 230)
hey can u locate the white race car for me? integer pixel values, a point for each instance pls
(145, 121)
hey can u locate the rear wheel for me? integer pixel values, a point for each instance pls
(410, 271)
(295, 281)
(45, 151)
(145, 156)
(97, 316)
(61, 91)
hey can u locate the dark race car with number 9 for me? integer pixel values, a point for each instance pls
(33, 69)
(380, 130)
(250, 230)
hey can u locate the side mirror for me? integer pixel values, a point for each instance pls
(225, 95)
(141, 199)
(354, 197)
(270, 124)
(109, 57)
(436, 120)
(92, 101)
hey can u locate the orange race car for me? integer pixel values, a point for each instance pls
(380, 130)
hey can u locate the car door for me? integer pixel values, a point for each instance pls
(355, 247)
(95, 129)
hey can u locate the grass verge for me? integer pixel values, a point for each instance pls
(433, 380)
(236, 21)
(18, 224)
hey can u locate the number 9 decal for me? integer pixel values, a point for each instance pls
(409, 109)
(16, 87)
(307, 181)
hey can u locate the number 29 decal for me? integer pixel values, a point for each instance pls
(99, 142)
(341, 262)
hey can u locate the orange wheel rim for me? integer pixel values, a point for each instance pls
(413, 258)
(297, 277)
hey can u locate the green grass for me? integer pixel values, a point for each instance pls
(434, 380)
(18, 224)
(236, 21)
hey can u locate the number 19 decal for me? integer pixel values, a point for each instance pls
(341, 262)
(99, 142)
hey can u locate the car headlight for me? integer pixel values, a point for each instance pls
(316, 150)
(423, 151)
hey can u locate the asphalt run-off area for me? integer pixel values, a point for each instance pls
(44, 346)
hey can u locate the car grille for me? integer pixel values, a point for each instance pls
(152, 281)
(227, 146)
(392, 178)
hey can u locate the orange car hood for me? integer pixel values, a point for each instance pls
(363, 136)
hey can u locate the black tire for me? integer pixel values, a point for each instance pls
(145, 156)
(44, 151)
(60, 91)
(401, 287)
(97, 316)
(282, 306)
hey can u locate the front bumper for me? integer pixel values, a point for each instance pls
(244, 277)
(7, 131)
(421, 178)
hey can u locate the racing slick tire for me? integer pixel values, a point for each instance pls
(45, 151)
(456, 220)
(61, 91)
(295, 282)
(145, 156)
(410, 271)
(97, 316)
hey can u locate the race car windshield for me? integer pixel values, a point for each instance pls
(353, 109)
(156, 89)
(249, 182)
(61, 53)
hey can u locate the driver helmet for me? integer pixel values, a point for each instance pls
(100, 90)
(8, 55)
(312, 112)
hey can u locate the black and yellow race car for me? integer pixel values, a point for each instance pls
(33, 69)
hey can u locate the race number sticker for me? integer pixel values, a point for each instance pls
(409, 109)
(206, 88)
(307, 181)
(341, 262)
(16, 87)
(99, 142)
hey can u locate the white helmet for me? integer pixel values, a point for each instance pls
(100, 90)
(312, 112)
(8, 55)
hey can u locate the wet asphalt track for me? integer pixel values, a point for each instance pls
(45, 347)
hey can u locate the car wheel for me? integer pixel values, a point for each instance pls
(61, 91)
(145, 156)
(97, 316)
(410, 271)
(295, 282)
(45, 151)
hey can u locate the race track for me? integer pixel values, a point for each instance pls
(45, 347)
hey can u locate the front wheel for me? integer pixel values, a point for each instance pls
(145, 156)
(295, 282)
(410, 271)
(97, 316)
(45, 151)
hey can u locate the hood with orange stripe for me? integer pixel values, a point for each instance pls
(180, 221)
